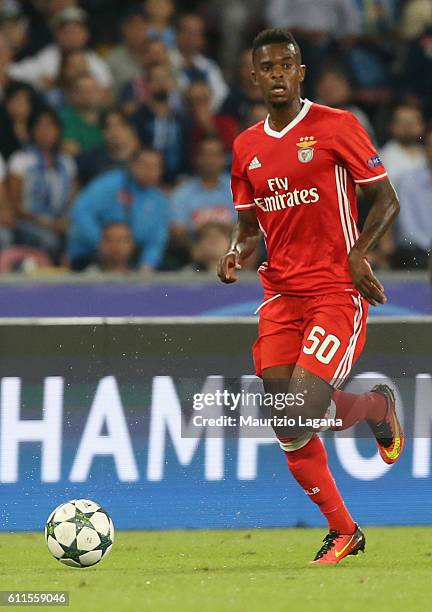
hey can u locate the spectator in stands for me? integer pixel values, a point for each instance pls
(404, 151)
(321, 28)
(120, 144)
(244, 94)
(416, 18)
(160, 14)
(81, 118)
(191, 65)
(14, 26)
(414, 224)
(379, 17)
(204, 121)
(370, 61)
(5, 64)
(70, 33)
(124, 60)
(7, 219)
(5, 60)
(257, 112)
(334, 89)
(159, 126)
(116, 249)
(136, 92)
(128, 196)
(202, 198)
(41, 14)
(74, 64)
(41, 185)
(235, 25)
(337, 18)
(417, 71)
(211, 242)
(18, 104)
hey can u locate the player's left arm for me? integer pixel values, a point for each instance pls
(384, 210)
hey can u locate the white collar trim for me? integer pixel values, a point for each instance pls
(302, 114)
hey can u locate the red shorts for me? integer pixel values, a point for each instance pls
(323, 334)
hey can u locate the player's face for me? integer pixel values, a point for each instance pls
(278, 73)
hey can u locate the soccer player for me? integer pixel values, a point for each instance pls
(294, 180)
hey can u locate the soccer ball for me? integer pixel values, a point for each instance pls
(79, 533)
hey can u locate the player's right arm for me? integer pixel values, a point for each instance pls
(246, 233)
(245, 240)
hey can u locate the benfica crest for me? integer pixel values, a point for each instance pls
(306, 152)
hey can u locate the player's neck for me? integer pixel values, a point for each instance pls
(281, 117)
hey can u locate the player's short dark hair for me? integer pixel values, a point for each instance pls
(273, 36)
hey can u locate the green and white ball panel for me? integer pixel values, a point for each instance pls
(53, 512)
(64, 513)
(90, 558)
(101, 522)
(79, 533)
(65, 533)
(55, 548)
(88, 539)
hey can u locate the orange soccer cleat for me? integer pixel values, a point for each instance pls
(389, 435)
(338, 546)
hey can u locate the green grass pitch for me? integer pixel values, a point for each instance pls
(261, 570)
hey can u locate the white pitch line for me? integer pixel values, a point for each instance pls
(190, 320)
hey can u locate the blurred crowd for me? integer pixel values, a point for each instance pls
(117, 121)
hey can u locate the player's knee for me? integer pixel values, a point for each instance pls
(312, 400)
(292, 444)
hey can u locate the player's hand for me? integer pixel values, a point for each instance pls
(228, 266)
(364, 279)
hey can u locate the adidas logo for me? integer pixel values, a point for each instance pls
(255, 163)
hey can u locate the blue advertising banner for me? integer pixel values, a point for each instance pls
(84, 416)
(199, 298)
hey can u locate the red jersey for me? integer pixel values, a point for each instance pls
(301, 183)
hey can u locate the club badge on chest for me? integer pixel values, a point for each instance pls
(306, 151)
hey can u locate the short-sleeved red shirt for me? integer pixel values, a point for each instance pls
(301, 183)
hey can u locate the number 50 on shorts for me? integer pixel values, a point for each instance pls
(323, 345)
